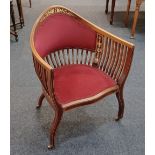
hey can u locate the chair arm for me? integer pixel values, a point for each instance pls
(42, 68)
(114, 56)
(44, 73)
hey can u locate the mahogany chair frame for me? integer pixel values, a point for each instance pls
(117, 66)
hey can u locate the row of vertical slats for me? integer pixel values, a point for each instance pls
(111, 61)
(41, 73)
(70, 56)
(113, 57)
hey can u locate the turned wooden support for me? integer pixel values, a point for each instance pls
(138, 4)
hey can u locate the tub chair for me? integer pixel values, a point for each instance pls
(77, 62)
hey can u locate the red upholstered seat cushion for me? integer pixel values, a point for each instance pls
(76, 82)
(61, 31)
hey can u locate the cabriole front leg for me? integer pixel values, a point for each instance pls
(40, 100)
(54, 126)
(120, 99)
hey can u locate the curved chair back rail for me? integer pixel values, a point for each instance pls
(63, 41)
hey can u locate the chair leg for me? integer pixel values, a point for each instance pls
(20, 11)
(42, 96)
(112, 11)
(126, 21)
(54, 126)
(107, 4)
(135, 19)
(30, 3)
(120, 99)
(13, 21)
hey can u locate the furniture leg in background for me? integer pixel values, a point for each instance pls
(138, 4)
(30, 3)
(112, 11)
(21, 17)
(14, 32)
(107, 4)
(20, 11)
(126, 21)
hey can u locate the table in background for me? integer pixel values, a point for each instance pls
(21, 17)
(136, 13)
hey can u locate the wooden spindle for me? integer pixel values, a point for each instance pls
(57, 59)
(114, 50)
(79, 56)
(104, 53)
(53, 60)
(88, 57)
(68, 56)
(110, 57)
(116, 59)
(72, 56)
(92, 58)
(47, 60)
(124, 57)
(101, 51)
(118, 62)
(61, 58)
(107, 55)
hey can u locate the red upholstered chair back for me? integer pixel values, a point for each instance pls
(60, 31)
